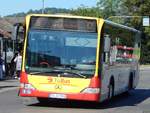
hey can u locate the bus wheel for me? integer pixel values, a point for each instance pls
(111, 90)
(130, 84)
(42, 100)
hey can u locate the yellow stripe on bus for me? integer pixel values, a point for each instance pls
(27, 21)
(100, 25)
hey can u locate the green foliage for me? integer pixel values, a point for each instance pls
(85, 11)
(147, 30)
(46, 11)
(110, 7)
(141, 8)
(145, 53)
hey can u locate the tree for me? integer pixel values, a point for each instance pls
(110, 7)
(86, 11)
(141, 8)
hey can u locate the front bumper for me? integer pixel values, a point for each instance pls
(68, 96)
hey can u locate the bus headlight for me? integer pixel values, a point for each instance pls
(27, 86)
(91, 90)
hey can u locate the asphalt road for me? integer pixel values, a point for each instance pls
(137, 101)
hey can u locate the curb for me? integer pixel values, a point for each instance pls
(8, 85)
(144, 68)
(8, 89)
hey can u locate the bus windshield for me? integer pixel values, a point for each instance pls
(53, 52)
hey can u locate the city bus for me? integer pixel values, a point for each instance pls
(77, 58)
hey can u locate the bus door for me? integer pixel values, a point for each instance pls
(110, 68)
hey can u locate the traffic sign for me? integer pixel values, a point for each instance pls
(146, 21)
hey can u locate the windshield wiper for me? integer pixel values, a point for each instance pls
(42, 72)
(65, 71)
(78, 74)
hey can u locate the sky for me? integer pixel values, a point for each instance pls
(15, 6)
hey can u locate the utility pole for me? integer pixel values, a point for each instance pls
(42, 6)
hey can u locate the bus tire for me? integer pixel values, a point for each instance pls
(130, 84)
(111, 88)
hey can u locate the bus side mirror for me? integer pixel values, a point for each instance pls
(106, 44)
(15, 31)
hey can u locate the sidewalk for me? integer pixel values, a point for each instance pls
(145, 67)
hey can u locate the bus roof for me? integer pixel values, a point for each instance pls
(121, 26)
(63, 15)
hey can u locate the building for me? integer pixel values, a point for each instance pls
(8, 47)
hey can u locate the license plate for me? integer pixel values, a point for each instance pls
(59, 96)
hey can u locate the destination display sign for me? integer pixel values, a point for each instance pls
(59, 23)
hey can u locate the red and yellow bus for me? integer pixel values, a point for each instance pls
(74, 58)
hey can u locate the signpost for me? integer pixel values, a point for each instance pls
(146, 21)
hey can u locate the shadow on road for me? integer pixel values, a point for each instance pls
(126, 99)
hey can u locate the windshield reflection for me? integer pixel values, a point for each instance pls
(61, 50)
